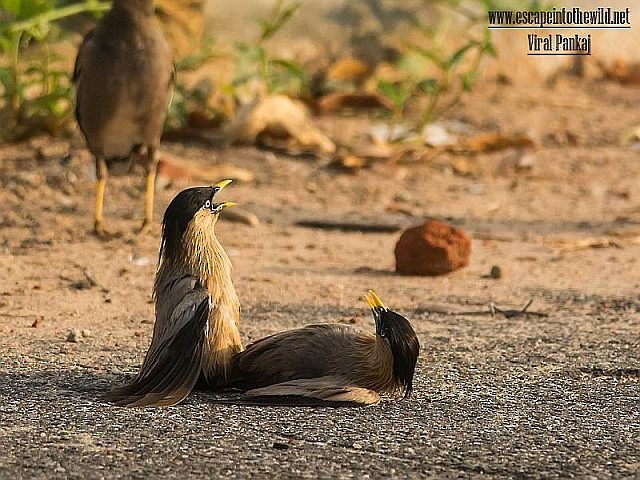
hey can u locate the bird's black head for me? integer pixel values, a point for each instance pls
(187, 207)
(402, 339)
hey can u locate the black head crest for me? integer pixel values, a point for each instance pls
(179, 213)
(405, 347)
(402, 339)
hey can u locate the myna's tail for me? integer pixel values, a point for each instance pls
(171, 370)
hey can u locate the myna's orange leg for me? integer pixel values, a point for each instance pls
(101, 183)
(152, 167)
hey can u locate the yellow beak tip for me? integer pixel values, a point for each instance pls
(374, 300)
(223, 183)
(368, 300)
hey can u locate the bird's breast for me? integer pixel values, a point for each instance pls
(223, 340)
(121, 132)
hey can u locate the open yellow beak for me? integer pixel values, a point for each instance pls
(228, 204)
(223, 184)
(220, 186)
(373, 300)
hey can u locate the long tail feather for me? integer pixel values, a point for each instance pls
(170, 377)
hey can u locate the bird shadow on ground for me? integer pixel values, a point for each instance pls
(81, 384)
(85, 385)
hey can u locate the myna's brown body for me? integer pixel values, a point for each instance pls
(197, 309)
(196, 332)
(330, 363)
(123, 76)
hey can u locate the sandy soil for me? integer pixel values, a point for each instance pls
(574, 374)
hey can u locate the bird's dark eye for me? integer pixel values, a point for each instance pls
(207, 204)
(216, 190)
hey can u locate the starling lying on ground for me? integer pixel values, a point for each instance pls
(197, 309)
(196, 332)
(124, 76)
(330, 364)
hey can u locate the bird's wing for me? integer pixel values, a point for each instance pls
(86, 45)
(298, 353)
(174, 360)
(328, 390)
(81, 51)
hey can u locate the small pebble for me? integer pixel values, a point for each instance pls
(496, 272)
(280, 446)
(140, 261)
(86, 333)
(74, 336)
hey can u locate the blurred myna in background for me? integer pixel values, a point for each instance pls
(330, 364)
(124, 75)
(197, 309)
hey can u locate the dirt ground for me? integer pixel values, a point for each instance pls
(527, 397)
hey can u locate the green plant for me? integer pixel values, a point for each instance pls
(36, 93)
(445, 60)
(255, 62)
(188, 99)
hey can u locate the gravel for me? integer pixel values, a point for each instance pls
(496, 398)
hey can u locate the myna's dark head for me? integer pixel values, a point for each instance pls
(403, 341)
(192, 213)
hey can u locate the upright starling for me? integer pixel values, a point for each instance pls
(124, 75)
(197, 309)
(330, 364)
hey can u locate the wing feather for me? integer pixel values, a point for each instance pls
(77, 71)
(330, 390)
(77, 68)
(298, 353)
(173, 363)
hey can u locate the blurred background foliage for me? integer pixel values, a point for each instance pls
(421, 78)
(36, 92)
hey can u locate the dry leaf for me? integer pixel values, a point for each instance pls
(347, 69)
(375, 151)
(278, 121)
(172, 169)
(214, 173)
(623, 72)
(572, 245)
(492, 142)
(349, 163)
(335, 102)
